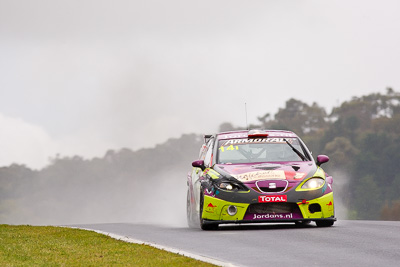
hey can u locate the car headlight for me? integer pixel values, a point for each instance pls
(226, 186)
(313, 183)
(231, 186)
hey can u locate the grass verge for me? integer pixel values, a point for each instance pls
(57, 246)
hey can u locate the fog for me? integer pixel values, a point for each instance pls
(96, 75)
(162, 202)
(340, 190)
(145, 186)
(83, 77)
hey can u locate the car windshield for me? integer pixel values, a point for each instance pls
(258, 150)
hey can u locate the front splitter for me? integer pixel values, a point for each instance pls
(267, 221)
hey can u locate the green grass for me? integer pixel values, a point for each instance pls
(58, 246)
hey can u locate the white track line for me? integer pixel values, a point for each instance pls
(169, 249)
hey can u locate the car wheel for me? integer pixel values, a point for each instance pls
(203, 225)
(189, 212)
(324, 223)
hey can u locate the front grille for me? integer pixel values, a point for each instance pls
(272, 186)
(273, 207)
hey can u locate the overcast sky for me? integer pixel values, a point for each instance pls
(82, 77)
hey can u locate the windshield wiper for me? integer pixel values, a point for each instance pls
(295, 150)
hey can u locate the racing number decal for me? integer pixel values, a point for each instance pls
(231, 147)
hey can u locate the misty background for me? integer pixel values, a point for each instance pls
(361, 136)
(79, 79)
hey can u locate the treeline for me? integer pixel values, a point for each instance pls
(361, 136)
(147, 185)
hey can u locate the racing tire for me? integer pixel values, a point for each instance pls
(324, 223)
(189, 213)
(203, 225)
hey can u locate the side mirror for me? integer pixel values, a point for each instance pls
(199, 164)
(322, 159)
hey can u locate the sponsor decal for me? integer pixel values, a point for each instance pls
(234, 136)
(210, 208)
(283, 134)
(240, 135)
(259, 175)
(210, 172)
(330, 206)
(256, 140)
(303, 202)
(265, 199)
(273, 216)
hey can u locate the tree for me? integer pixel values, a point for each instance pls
(300, 117)
(361, 111)
(341, 151)
(226, 127)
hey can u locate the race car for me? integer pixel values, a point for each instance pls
(258, 176)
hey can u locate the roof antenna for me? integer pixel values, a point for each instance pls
(245, 109)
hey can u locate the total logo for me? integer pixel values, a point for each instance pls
(264, 199)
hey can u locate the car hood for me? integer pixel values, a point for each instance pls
(248, 173)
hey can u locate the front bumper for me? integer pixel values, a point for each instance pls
(216, 211)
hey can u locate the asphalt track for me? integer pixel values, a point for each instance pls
(347, 243)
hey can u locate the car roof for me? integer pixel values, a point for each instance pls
(245, 134)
